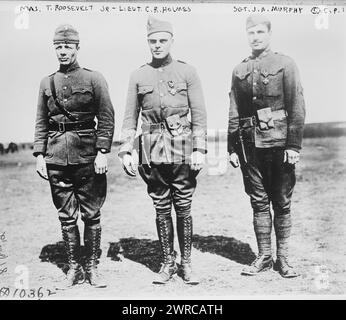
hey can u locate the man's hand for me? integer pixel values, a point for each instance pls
(197, 160)
(41, 167)
(129, 165)
(100, 163)
(234, 160)
(291, 156)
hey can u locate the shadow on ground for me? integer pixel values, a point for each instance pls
(147, 252)
(56, 254)
(226, 247)
(144, 251)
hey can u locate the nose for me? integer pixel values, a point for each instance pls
(62, 52)
(255, 37)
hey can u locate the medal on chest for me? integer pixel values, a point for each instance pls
(265, 74)
(172, 90)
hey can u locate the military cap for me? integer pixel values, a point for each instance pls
(155, 25)
(66, 33)
(255, 19)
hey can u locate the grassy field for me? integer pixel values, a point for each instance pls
(224, 240)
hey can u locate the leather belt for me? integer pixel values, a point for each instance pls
(161, 126)
(71, 126)
(252, 121)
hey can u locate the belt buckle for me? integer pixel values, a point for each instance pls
(61, 127)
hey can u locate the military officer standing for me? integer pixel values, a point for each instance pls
(71, 150)
(265, 130)
(172, 149)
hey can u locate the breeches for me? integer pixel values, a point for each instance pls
(267, 179)
(170, 184)
(77, 187)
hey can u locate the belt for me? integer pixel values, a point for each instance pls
(161, 126)
(252, 121)
(71, 126)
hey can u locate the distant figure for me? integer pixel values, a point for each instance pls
(74, 150)
(2, 150)
(265, 131)
(12, 147)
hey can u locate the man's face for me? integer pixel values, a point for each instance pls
(259, 37)
(160, 44)
(66, 52)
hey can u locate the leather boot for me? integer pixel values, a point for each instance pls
(184, 230)
(283, 225)
(262, 226)
(92, 241)
(284, 268)
(75, 274)
(164, 227)
(260, 264)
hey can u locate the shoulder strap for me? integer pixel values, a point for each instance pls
(60, 107)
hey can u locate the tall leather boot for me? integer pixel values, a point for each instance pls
(282, 226)
(165, 232)
(184, 230)
(92, 241)
(75, 274)
(264, 261)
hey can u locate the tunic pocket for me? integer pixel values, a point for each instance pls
(272, 81)
(87, 143)
(178, 95)
(81, 95)
(144, 94)
(242, 79)
(52, 144)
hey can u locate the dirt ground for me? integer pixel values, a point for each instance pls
(32, 256)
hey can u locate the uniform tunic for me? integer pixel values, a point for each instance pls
(84, 93)
(173, 88)
(70, 155)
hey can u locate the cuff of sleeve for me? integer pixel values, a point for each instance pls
(122, 153)
(126, 148)
(294, 148)
(103, 143)
(200, 143)
(201, 150)
(36, 154)
(39, 149)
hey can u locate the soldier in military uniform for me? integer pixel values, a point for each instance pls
(71, 151)
(172, 149)
(265, 130)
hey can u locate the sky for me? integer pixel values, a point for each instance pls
(211, 37)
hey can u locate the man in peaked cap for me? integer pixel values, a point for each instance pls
(265, 130)
(71, 150)
(172, 149)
